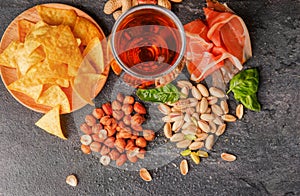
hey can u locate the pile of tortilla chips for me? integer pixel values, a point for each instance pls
(60, 51)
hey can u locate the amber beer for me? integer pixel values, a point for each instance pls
(148, 42)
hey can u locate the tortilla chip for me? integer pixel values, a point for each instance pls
(46, 73)
(55, 96)
(7, 57)
(86, 30)
(50, 122)
(22, 86)
(56, 16)
(84, 85)
(25, 60)
(94, 54)
(86, 67)
(24, 27)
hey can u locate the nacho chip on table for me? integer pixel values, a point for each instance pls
(50, 122)
(55, 96)
(86, 30)
(57, 16)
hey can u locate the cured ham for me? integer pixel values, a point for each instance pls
(221, 40)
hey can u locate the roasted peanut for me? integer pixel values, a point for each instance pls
(96, 128)
(104, 150)
(141, 142)
(130, 144)
(121, 160)
(149, 135)
(110, 142)
(85, 128)
(107, 108)
(90, 120)
(120, 143)
(85, 149)
(96, 138)
(120, 97)
(128, 100)
(127, 119)
(118, 115)
(114, 155)
(95, 146)
(98, 113)
(139, 108)
(116, 105)
(110, 131)
(127, 109)
(137, 119)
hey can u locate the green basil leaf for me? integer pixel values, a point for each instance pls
(167, 93)
(245, 82)
(250, 102)
(244, 85)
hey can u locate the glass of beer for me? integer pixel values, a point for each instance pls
(148, 42)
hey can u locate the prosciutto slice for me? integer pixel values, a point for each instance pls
(221, 40)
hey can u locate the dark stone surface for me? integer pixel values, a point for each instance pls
(266, 143)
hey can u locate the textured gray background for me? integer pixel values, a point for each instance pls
(266, 143)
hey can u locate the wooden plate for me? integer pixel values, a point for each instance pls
(9, 75)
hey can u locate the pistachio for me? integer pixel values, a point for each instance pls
(164, 109)
(177, 137)
(168, 130)
(177, 125)
(183, 83)
(196, 93)
(218, 120)
(145, 175)
(203, 90)
(212, 100)
(190, 130)
(196, 145)
(217, 110)
(204, 126)
(190, 137)
(224, 106)
(196, 116)
(216, 92)
(195, 157)
(184, 167)
(213, 126)
(229, 118)
(72, 180)
(228, 157)
(201, 136)
(183, 144)
(221, 129)
(186, 152)
(203, 105)
(207, 117)
(239, 111)
(209, 142)
(202, 153)
(184, 92)
(187, 118)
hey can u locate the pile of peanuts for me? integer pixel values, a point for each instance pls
(115, 131)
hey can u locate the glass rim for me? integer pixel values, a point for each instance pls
(163, 10)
